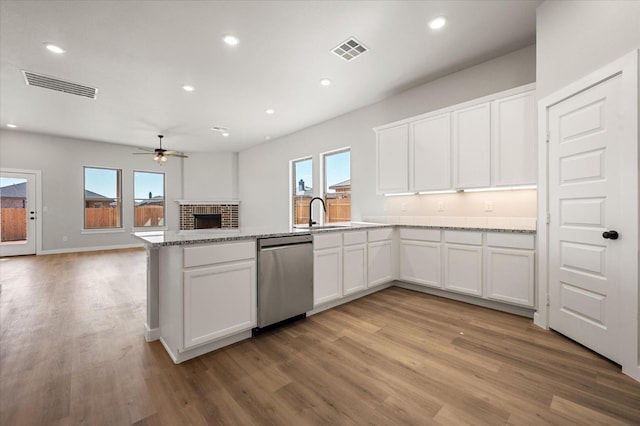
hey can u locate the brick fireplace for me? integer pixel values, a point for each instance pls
(208, 215)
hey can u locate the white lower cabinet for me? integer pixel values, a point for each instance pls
(420, 256)
(354, 262)
(380, 257)
(219, 301)
(327, 267)
(463, 269)
(510, 266)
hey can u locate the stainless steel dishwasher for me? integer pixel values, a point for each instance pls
(285, 279)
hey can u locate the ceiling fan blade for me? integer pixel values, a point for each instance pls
(175, 154)
(142, 153)
(146, 149)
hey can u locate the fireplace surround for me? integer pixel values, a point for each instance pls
(208, 215)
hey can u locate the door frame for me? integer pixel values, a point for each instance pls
(38, 202)
(628, 67)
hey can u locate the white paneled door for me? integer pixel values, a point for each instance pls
(18, 213)
(586, 205)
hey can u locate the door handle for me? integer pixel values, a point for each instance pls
(611, 235)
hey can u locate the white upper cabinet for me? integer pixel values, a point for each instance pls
(483, 143)
(514, 140)
(392, 147)
(472, 147)
(430, 154)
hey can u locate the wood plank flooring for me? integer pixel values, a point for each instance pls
(72, 351)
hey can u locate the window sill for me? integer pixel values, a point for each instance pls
(149, 228)
(102, 231)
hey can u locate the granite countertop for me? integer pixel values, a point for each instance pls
(181, 238)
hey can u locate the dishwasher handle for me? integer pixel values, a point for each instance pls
(275, 242)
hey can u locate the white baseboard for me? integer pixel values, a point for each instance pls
(83, 249)
(151, 334)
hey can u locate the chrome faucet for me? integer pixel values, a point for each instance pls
(311, 222)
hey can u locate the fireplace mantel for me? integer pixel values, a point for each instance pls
(208, 202)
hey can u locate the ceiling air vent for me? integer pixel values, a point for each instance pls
(349, 49)
(47, 82)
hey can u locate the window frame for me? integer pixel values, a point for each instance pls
(293, 182)
(118, 199)
(323, 180)
(164, 201)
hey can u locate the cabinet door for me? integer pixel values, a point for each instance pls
(510, 275)
(514, 140)
(380, 268)
(420, 263)
(355, 268)
(219, 301)
(430, 154)
(472, 147)
(327, 275)
(392, 147)
(463, 269)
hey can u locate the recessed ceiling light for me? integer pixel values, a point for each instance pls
(54, 48)
(188, 88)
(231, 40)
(225, 134)
(325, 82)
(437, 23)
(270, 111)
(13, 126)
(267, 138)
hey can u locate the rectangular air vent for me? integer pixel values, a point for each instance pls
(349, 49)
(47, 82)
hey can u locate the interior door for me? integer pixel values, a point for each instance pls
(17, 213)
(585, 204)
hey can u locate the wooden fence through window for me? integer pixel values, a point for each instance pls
(338, 209)
(14, 224)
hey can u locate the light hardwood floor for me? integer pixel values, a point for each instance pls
(72, 351)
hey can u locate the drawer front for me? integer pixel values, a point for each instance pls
(219, 253)
(463, 237)
(380, 234)
(511, 240)
(328, 240)
(420, 234)
(357, 237)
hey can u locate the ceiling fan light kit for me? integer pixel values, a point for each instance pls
(160, 154)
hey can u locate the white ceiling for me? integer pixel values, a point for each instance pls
(140, 53)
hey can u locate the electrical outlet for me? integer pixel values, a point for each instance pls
(488, 206)
(440, 206)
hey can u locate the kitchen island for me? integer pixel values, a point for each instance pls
(202, 285)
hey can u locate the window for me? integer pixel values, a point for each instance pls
(301, 191)
(148, 203)
(337, 186)
(102, 198)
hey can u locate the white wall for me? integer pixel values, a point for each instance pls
(575, 37)
(61, 161)
(264, 169)
(211, 176)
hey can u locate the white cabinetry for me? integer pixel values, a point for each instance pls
(430, 154)
(420, 256)
(486, 142)
(514, 140)
(207, 296)
(509, 266)
(472, 147)
(218, 301)
(392, 147)
(327, 267)
(354, 259)
(463, 262)
(380, 256)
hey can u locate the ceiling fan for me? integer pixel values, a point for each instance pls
(160, 155)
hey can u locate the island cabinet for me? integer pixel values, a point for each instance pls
(421, 256)
(509, 268)
(207, 296)
(380, 257)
